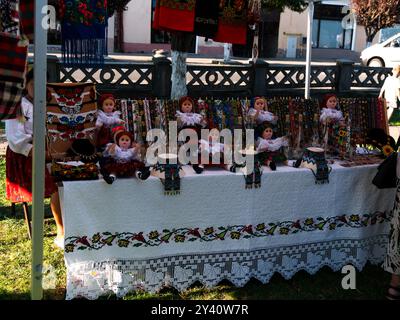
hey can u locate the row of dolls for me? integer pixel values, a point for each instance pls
(121, 155)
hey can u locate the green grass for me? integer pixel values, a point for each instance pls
(15, 252)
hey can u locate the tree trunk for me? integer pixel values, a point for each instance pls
(370, 37)
(181, 44)
(119, 31)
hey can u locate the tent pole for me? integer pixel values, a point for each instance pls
(38, 166)
(309, 48)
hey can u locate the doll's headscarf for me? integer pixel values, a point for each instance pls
(118, 134)
(104, 97)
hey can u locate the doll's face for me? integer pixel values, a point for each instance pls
(108, 105)
(186, 106)
(331, 103)
(267, 133)
(260, 104)
(124, 142)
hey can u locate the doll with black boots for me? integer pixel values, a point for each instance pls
(332, 122)
(122, 158)
(107, 119)
(188, 119)
(268, 147)
(259, 113)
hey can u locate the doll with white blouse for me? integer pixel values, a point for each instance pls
(188, 119)
(332, 121)
(330, 111)
(107, 118)
(259, 112)
(269, 147)
(122, 158)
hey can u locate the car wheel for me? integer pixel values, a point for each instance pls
(376, 62)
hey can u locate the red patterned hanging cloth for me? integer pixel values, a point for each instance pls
(232, 23)
(174, 15)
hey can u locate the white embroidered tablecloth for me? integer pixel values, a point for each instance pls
(129, 235)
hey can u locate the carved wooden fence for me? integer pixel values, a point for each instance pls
(133, 79)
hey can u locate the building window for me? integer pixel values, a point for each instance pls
(328, 31)
(157, 36)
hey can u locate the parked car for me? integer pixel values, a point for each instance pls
(384, 54)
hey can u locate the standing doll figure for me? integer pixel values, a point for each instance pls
(259, 112)
(19, 133)
(107, 118)
(122, 158)
(268, 147)
(332, 122)
(187, 119)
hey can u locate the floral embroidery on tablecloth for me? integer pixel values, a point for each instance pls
(237, 232)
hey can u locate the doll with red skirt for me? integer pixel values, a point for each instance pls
(122, 158)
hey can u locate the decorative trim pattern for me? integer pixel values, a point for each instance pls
(93, 279)
(239, 232)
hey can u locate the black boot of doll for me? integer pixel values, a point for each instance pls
(197, 168)
(272, 165)
(143, 174)
(109, 178)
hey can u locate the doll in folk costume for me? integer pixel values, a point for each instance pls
(187, 119)
(212, 150)
(259, 113)
(122, 158)
(107, 119)
(332, 122)
(268, 147)
(186, 116)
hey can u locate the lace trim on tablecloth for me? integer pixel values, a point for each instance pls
(93, 279)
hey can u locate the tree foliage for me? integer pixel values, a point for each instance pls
(295, 5)
(376, 14)
(116, 5)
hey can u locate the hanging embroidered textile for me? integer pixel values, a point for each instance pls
(206, 18)
(26, 15)
(83, 31)
(174, 15)
(9, 19)
(232, 23)
(71, 114)
(13, 56)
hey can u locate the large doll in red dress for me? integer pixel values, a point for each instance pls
(122, 159)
